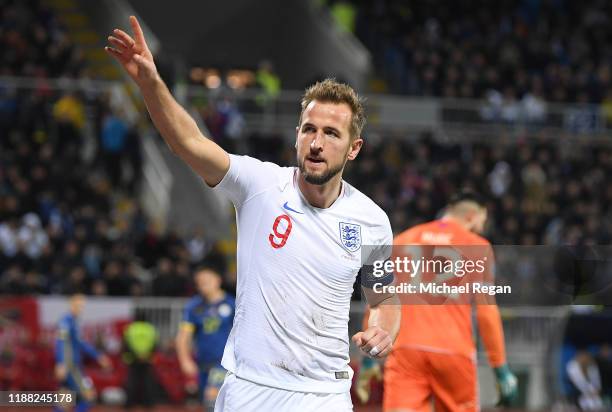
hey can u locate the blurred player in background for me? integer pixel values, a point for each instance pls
(300, 232)
(207, 322)
(69, 350)
(435, 353)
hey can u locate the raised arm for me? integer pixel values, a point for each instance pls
(176, 126)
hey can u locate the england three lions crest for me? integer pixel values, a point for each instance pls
(350, 236)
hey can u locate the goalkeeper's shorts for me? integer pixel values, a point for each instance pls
(418, 380)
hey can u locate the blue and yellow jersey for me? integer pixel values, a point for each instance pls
(211, 325)
(69, 348)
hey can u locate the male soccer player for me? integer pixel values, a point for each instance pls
(69, 349)
(207, 322)
(435, 355)
(300, 232)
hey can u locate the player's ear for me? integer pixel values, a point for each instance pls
(355, 147)
(297, 132)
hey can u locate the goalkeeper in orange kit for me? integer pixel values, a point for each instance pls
(434, 358)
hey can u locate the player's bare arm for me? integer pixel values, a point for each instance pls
(176, 126)
(183, 351)
(383, 326)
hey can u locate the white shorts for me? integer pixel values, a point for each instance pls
(239, 395)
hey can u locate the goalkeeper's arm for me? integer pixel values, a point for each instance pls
(492, 334)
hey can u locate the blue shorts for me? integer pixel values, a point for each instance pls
(211, 376)
(77, 382)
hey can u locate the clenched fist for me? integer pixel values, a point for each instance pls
(374, 341)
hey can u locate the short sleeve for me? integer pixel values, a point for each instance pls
(247, 177)
(188, 322)
(378, 252)
(382, 241)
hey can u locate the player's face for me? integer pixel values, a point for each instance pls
(207, 282)
(76, 305)
(323, 141)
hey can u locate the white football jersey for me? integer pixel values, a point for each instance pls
(296, 268)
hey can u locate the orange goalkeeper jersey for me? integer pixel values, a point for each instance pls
(443, 322)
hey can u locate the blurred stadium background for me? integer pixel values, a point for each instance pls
(512, 98)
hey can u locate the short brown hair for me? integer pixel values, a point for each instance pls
(332, 91)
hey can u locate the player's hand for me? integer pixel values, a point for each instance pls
(133, 54)
(61, 372)
(507, 385)
(374, 341)
(369, 369)
(189, 368)
(105, 362)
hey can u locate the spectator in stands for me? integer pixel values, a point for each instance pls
(9, 244)
(98, 288)
(69, 114)
(344, 14)
(268, 81)
(140, 339)
(92, 259)
(76, 282)
(113, 141)
(166, 281)
(117, 282)
(533, 105)
(71, 255)
(196, 245)
(606, 108)
(12, 282)
(32, 237)
(34, 283)
(133, 153)
(584, 375)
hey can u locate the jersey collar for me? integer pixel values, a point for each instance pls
(290, 180)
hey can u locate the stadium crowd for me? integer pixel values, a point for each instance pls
(67, 225)
(34, 44)
(539, 50)
(540, 192)
(69, 218)
(70, 221)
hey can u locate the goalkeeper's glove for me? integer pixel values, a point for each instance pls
(370, 369)
(507, 385)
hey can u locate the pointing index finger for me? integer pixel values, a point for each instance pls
(138, 35)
